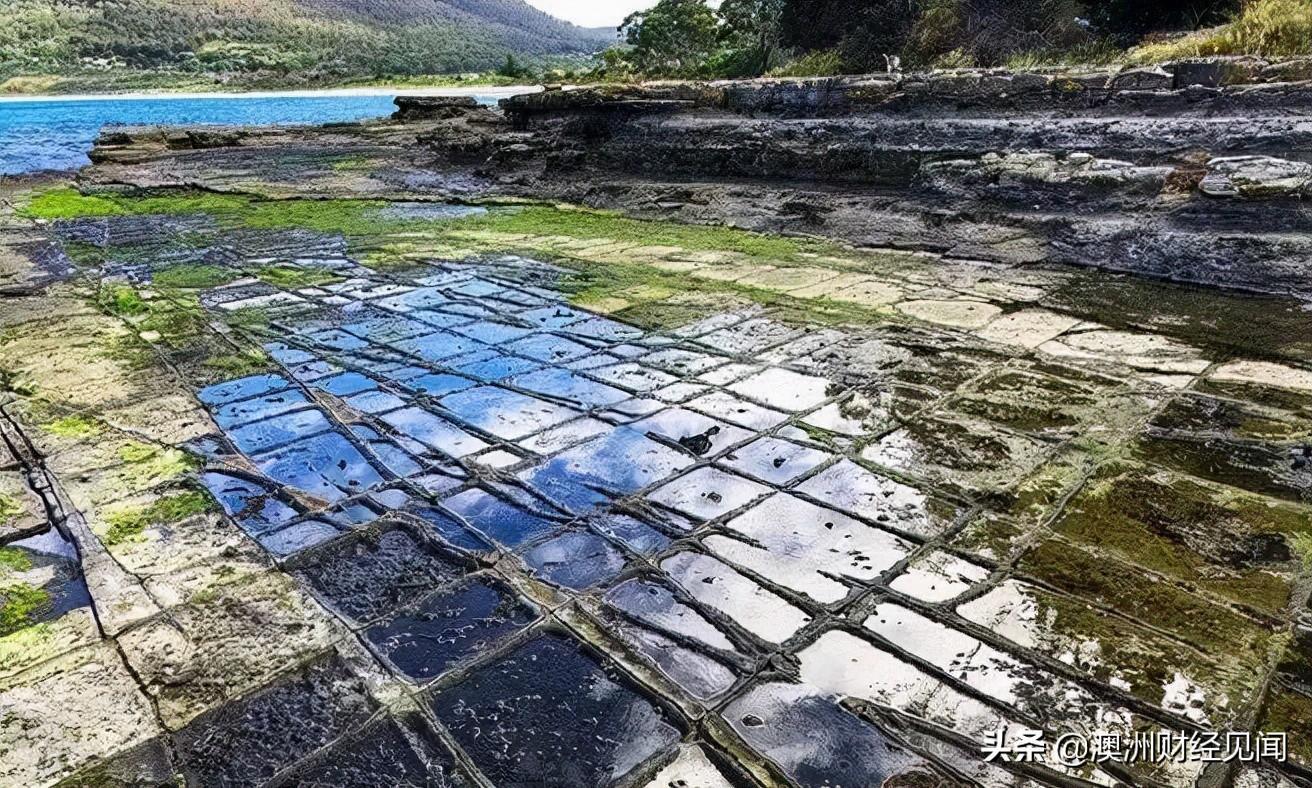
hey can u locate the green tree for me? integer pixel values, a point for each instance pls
(615, 65)
(512, 69)
(671, 37)
(755, 26)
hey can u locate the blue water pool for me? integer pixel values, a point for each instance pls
(56, 134)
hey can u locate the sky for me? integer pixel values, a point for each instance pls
(592, 13)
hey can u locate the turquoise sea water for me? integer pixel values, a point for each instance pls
(56, 134)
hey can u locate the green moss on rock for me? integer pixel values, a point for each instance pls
(121, 301)
(194, 277)
(1212, 627)
(128, 525)
(65, 202)
(14, 560)
(292, 278)
(1290, 712)
(1227, 542)
(236, 365)
(10, 509)
(149, 465)
(20, 605)
(76, 427)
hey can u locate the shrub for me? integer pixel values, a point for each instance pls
(821, 63)
(936, 35)
(1098, 52)
(733, 63)
(957, 58)
(933, 32)
(1127, 21)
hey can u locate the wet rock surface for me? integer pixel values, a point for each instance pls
(249, 742)
(549, 712)
(392, 490)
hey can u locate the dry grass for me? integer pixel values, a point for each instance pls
(821, 63)
(1268, 28)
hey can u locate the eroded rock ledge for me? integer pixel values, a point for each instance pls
(1192, 172)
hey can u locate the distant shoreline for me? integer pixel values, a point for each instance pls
(258, 94)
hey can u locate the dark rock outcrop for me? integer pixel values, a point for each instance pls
(1193, 171)
(433, 107)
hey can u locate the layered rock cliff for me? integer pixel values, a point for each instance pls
(1194, 172)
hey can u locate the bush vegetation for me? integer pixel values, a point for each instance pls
(687, 38)
(1270, 28)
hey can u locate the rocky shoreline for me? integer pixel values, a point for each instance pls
(856, 432)
(1195, 172)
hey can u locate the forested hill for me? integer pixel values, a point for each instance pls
(515, 22)
(304, 39)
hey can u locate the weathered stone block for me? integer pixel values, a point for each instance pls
(1256, 176)
(1142, 79)
(69, 714)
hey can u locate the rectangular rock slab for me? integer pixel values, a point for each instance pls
(717, 585)
(851, 488)
(250, 741)
(119, 598)
(550, 712)
(227, 640)
(25, 512)
(70, 714)
(816, 742)
(1264, 373)
(1028, 328)
(808, 548)
(691, 768)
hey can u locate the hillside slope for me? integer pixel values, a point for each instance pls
(305, 40)
(516, 22)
